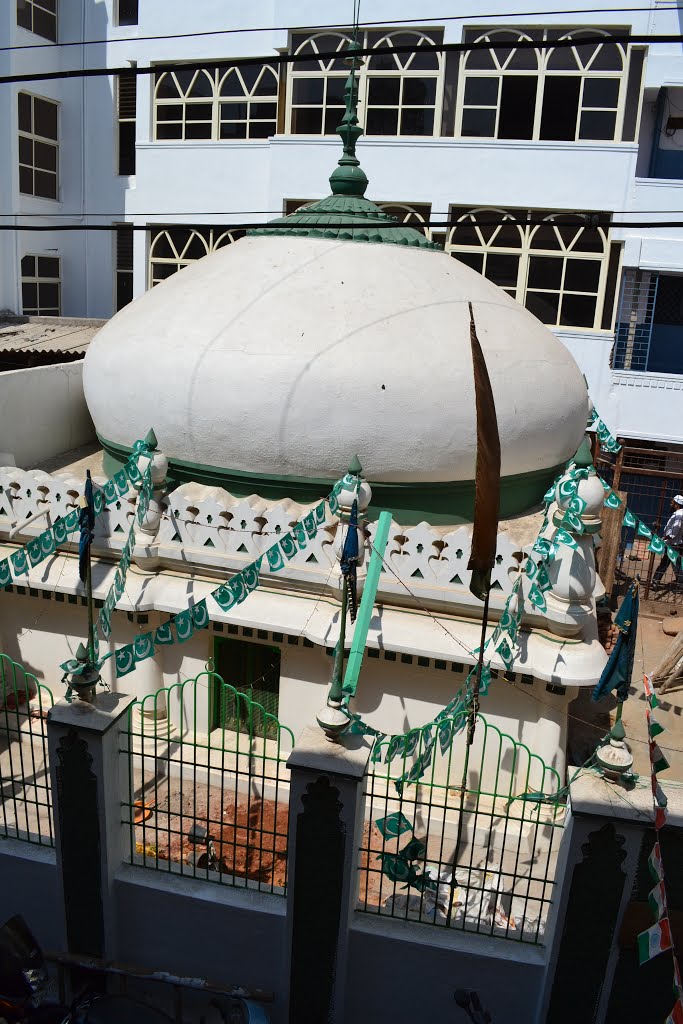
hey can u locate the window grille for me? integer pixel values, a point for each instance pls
(398, 94)
(172, 248)
(634, 320)
(216, 103)
(557, 269)
(38, 146)
(38, 16)
(40, 286)
(126, 110)
(561, 94)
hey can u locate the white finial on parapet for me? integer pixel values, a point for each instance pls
(579, 496)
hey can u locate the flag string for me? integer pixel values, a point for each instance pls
(658, 938)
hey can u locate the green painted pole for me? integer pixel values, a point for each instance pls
(367, 604)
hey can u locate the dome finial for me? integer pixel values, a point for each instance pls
(349, 178)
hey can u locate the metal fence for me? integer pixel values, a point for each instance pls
(208, 792)
(647, 478)
(490, 856)
(26, 808)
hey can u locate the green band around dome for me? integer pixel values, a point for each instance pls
(450, 502)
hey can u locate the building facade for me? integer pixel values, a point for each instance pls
(531, 159)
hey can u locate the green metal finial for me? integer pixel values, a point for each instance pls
(151, 440)
(583, 456)
(349, 178)
(355, 468)
(81, 653)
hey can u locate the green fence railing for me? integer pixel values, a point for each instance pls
(489, 856)
(208, 789)
(25, 792)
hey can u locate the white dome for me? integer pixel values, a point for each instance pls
(285, 357)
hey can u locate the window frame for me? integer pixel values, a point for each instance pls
(216, 76)
(40, 4)
(216, 235)
(543, 72)
(365, 75)
(527, 250)
(41, 139)
(38, 280)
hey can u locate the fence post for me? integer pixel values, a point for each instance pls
(608, 552)
(325, 825)
(596, 872)
(88, 777)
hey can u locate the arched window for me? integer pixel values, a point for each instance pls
(500, 86)
(562, 93)
(491, 242)
(582, 89)
(566, 267)
(403, 91)
(184, 102)
(317, 85)
(172, 248)
(248, 102)
(557, 268)
(398, 93)
(218, 104)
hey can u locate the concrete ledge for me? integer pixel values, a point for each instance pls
(313, 751)
(592, 795)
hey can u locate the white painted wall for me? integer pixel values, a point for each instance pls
(43, 412)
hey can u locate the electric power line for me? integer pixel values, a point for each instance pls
(278, 213)
(299, 228)
(397, 23)
(622, 39)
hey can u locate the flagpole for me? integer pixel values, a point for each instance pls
(91, 618)
(480, 665)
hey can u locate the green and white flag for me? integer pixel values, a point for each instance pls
(657, 760)
(657, 900)
(654, 940)
(629, 518)
(654, 863)
(393, 825)
(657, 545)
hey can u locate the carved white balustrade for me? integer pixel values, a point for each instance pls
(209, 530)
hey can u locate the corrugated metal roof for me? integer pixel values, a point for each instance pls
(47, 333)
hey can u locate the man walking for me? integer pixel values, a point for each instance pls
(673, 535)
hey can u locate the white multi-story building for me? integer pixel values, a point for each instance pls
(531, 158)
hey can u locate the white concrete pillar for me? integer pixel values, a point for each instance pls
(89, 778)
(325, 826)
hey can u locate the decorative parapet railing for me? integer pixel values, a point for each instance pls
(453, 851)
(209, 529)
(208, 797)
(25, 792)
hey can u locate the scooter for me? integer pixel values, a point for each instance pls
(24, 982)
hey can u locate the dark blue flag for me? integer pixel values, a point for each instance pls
(86, 523)
(617, 673)
(349, 560)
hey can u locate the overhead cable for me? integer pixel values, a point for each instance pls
(394, 23)
(623, 39)
(298, 228)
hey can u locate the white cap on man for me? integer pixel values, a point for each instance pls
(678, 498)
